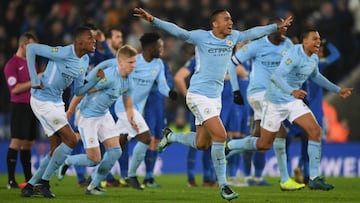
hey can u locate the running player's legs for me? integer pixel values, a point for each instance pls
(124, 127)
(209, 127)
(210, 131)
(273, 115)
(302, 116)
(109, 136)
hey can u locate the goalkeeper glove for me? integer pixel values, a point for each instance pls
(238, 99)
(173, 95)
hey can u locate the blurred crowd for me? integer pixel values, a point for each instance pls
(338, 21)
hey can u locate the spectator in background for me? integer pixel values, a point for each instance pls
(57, 35)
(136, 31)
(345, 21)
(337, 131)
(354, 7)
(4, 103)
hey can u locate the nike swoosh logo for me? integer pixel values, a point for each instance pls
(21, 67)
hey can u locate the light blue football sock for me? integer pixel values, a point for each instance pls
(281, 157)
(241, 145)
(314, 151)
(58, 157)
(80, 160)
(110, 157)
(218, 158)
(137, 157)
(40, 171)
(188, 139)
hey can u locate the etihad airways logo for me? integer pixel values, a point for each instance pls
(220, 51)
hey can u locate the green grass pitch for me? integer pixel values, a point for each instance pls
(174, 189)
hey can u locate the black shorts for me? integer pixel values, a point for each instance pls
(24, 125)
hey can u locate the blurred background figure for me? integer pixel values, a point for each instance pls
(24, 124)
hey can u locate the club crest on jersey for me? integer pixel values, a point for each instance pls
(288, 61)
(283, 52)
(229, 43)
(102, 81)
(54, 49)
(154, 73)
(81, 70)
(245, 48)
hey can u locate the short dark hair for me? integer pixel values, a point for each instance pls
(215, 13)
(81, 30)
(108, 32)
(306, 31)
(90, 25)
(149, 39)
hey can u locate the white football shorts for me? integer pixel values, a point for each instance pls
(124, 127)
(203, 107)
(51, 115)
(95, 129)
(274, 114)
(256, 102)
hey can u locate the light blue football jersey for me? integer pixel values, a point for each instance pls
(63, 68)
(113, 87)
(295, 67)
(212, 54)
(265, 58)
(144, 76)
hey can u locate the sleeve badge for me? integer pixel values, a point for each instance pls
(288, 61)
(54, 49)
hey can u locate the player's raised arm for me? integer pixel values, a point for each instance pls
(259, 31)
(139, 12)
(283, 26)
(171, 28)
